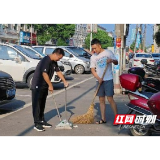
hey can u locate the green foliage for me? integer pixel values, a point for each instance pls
(61, 42)
(56, 32)
(132, 46)
(157, 38)
(106, 41)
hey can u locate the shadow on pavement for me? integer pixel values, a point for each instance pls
(10, 107)
(69, 78)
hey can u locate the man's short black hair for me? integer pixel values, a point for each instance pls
(58, 51)
(95, 41)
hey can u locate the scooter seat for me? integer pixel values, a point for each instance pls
(147, 94)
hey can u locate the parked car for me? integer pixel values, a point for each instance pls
(79, 64)
(156, 57)
(136, 60)
(20, 64)
(80, 51)
(7, 87)
(67, 66)
(33, 51)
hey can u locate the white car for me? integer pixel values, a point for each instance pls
(156, 57)
(136, 60)
(19, 64)
(66, 65)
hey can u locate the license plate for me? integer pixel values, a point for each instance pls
(10, 92)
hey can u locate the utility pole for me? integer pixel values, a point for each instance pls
(136, 38)
(81, 34)
(144, 39)
(91, 38)
(119, 31)
(31, 36)
(140, 33)
(124, 46)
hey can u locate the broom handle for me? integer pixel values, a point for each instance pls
(99, 85)
(56, 107)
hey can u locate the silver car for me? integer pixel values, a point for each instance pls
(79, 64)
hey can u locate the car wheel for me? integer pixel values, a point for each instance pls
(29, 80)
(79, 69)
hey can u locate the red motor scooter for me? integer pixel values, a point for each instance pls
(148, 84)
(141, 103)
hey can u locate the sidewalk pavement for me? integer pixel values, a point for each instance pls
(79, 99)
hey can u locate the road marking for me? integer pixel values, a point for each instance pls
(29, 104)
(23, 95)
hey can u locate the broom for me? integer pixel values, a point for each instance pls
(88, 117)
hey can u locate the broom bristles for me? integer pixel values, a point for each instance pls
(87, 118)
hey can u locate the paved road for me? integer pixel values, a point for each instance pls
(23, 94)
(16, 117)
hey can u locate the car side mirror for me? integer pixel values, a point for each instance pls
(71, 56)
(18, 60)
(85, 54)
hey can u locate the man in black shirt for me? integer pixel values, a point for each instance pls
(41, 83)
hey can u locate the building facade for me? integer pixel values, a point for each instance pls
(13, 33)
(81, 33)
(78, 38)
(22, 34)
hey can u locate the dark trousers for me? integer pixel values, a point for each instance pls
(38, 104)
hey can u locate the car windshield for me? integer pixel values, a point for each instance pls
(32, 51)
(27, 52)
(39, 49)
(144, 55)
(39, 52)
(79, 51)
(156, 55)
(74, 53)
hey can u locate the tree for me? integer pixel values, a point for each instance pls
(106, 41)
(63, 32)
(133, 44)
(157, 36)
(59, 33)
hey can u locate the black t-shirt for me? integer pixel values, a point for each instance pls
(45, 65)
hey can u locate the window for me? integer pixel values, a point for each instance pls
(15, 27)
(156, 55)
(3, 53)
(13, 54)
(39, 49)
(144, 55)
(49, 51)
(22, 25)
(79, 51)
(66, 54)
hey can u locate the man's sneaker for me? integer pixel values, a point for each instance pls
(39, 127)
(46, 125)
